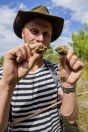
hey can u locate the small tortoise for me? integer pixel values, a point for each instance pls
(40, 49)
(62, 50)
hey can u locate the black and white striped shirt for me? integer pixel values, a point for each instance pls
(35, 91)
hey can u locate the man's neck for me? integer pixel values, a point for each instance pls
(38, 64)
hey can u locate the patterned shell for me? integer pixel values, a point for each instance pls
(62, 50)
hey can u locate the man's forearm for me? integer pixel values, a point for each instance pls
(69, 107)
(5, 98)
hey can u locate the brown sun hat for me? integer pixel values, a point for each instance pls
(38, 12)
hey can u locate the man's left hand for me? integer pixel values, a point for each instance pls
(70, 68)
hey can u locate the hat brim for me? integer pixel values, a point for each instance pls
(24, 16)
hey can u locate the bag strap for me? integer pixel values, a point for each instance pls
(52, 70)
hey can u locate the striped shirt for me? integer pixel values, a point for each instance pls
(34, 92)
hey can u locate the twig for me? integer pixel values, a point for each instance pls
(79, 94)
(32, 115)
(40, 111)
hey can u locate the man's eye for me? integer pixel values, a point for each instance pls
(34, 31)
(46, 34)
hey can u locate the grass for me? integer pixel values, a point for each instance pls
(83, 102)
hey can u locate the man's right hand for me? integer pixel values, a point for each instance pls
(17, 63)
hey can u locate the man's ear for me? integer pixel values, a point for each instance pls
(22, 34)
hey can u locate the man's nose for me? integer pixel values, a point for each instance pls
(40, 38)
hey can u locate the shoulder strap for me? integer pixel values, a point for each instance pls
(52, 70)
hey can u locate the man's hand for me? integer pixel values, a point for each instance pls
(70, 68)
(17, 63)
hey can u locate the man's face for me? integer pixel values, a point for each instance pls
(37, 30)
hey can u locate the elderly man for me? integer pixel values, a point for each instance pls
(26, 83)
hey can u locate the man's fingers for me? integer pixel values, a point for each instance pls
(62, 59)
(73, 60)
(77, 66)
(74, 77)
(65, 59)
(21, 54)
(29, 53)
(69, 55)
(32, 60)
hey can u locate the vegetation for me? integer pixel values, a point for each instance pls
(80, 43)
(1, 61)
(51, 55)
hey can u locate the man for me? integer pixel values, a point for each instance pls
(27, 85)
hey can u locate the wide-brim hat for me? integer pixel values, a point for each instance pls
(38, 12)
